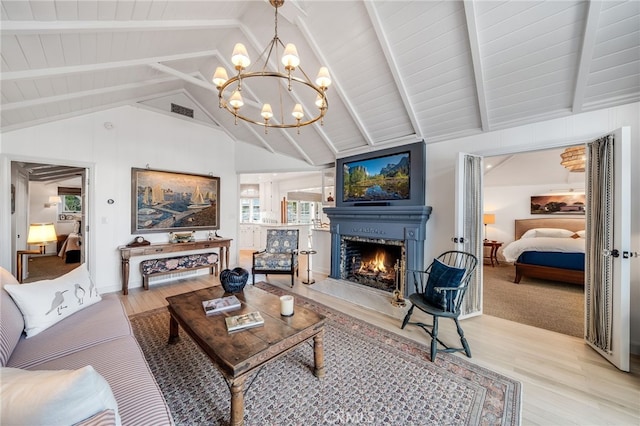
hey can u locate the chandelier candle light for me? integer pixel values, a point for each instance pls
(230, 89)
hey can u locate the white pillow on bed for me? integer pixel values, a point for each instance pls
(581, 234)
(548, 233)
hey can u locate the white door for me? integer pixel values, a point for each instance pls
(468, 224)
(21, 225)
(607, 303)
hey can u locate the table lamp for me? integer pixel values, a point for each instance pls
(41, 234)
(488, 219)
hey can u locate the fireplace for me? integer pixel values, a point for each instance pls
(359, 234)
(371, 262)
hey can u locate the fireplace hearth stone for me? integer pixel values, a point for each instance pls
(366, 297)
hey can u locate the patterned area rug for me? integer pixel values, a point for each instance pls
(373, 377)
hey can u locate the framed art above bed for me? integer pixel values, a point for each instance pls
(573, 204)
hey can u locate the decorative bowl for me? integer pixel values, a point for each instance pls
(181, 237)
(234, 280)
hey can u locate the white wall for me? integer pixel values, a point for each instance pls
(509, 203)
(138, 138)
(580, 128)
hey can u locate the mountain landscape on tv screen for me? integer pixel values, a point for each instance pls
(373, 180)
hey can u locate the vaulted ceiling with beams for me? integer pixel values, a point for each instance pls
(402, 70)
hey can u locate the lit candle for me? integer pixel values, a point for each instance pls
(286, 306)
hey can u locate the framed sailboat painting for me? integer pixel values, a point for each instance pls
(165, 201)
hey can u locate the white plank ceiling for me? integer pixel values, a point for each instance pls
(401, 70)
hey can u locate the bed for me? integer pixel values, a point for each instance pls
(70, 249)
(548, 249)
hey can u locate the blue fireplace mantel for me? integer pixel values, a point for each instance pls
(404, 223)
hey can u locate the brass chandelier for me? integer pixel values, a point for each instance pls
(230, 89)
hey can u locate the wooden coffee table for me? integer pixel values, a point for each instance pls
(239, 354)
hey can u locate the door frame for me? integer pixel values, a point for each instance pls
(7, 246)
(541, 147)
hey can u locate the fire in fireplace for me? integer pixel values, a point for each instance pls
(372, 262)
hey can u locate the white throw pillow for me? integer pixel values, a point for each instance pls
(582, 233)
(44, 303)
(53, 397)
(547, 233)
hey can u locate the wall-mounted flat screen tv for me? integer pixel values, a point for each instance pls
(393, 176)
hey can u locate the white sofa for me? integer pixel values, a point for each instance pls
(99, 335)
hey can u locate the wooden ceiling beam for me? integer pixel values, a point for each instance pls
(75, 27)
(476, 60)
(586, 55)
(104, 66)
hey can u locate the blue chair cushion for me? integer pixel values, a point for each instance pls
(442, 275)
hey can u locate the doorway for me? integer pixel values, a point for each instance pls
(509, 183)
(48, 194)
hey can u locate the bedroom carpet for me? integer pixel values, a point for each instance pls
(373, 377)
(47, 267)
(544, 304)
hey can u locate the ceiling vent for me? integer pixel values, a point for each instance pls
(179, 109)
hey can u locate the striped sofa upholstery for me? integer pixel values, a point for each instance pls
(99, 335)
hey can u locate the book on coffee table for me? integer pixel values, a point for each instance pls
(221, 304)
(244, 321)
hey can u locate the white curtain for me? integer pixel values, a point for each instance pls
(472, 226)
(599, 262)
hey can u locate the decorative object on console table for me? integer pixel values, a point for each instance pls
(138, 242)
(488, 219)
(234, 280)
(182, 237)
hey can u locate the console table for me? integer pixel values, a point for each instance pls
(126, 253)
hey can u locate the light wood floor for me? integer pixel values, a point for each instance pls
(564, 381)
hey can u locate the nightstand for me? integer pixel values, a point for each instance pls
(493, 253)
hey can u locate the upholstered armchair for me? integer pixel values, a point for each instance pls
(280, 255)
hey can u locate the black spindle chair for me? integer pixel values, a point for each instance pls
(440, 290)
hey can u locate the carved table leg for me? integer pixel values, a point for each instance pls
(318, 354)
(125, 276)
(173, 331)
(237, 401)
